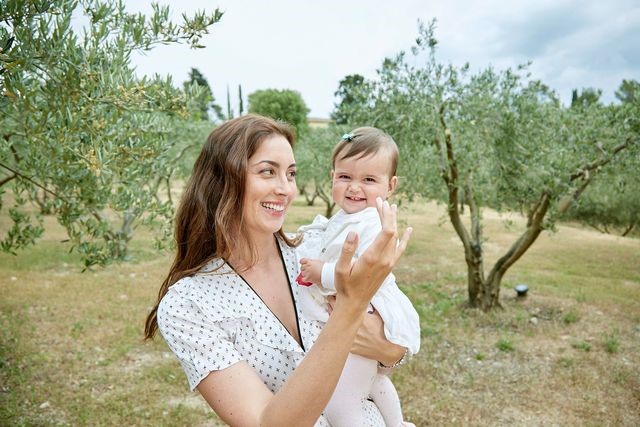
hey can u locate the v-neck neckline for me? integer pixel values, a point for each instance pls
(293, 300)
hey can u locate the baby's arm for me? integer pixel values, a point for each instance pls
(311, 270)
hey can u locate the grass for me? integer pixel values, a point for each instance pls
(505, 344)
(568, 354)
(610, 342)
(570, 317)
(582, 345)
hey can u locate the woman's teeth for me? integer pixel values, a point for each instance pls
(273, 206)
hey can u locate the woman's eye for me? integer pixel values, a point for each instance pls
(292, 174)
(267, 172)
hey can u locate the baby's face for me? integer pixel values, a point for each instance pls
(358, 181)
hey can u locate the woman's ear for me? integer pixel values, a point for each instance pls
(393, 183)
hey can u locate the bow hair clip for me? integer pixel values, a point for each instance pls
(347, 137)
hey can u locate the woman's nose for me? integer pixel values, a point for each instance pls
(283, 184)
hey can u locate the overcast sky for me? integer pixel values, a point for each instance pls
(309, 46)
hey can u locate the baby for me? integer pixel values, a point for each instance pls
(364, 168)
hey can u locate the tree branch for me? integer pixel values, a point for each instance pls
(534, 228)
(628, 230)
(476, 226)
(452, 184)
(7, 179)
(583, 172)
(19, 175)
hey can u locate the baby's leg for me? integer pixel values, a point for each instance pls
(345, 409)
(385, 396)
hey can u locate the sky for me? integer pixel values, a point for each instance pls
(309, 46)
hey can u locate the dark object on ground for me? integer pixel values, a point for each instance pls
(521, 290)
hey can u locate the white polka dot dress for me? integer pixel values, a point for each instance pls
(214, 319)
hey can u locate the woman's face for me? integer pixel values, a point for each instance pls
(270, 186)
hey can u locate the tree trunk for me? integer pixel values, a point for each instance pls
(626, 232)
(328, 201)
(309, 199)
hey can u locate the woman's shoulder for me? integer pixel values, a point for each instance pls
(212, 274)
(205, 290)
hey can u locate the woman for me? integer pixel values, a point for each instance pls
(227, 308)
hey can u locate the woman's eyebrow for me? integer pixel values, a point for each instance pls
(272, 163)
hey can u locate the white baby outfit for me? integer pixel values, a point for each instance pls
(323, 240)
(360, 380)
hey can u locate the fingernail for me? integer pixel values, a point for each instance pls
(351, 237)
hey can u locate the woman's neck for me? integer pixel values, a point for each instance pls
(265, 251)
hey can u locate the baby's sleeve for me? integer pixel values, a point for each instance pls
(201, 345)
(328, 276)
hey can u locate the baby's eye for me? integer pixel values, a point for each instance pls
(370, 179)
(343, 176)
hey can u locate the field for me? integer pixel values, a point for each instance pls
(71, 349)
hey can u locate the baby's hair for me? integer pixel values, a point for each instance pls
(365, 141)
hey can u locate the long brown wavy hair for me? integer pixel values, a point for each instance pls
(210, 219)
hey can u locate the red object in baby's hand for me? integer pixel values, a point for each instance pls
(300, 281)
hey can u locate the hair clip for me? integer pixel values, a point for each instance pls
(347, 137)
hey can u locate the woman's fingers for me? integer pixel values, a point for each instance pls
(406, 236)
(386, 239)
(343, 266)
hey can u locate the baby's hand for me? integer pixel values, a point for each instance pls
(311, 270)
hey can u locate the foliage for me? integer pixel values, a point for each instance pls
(82, 136)
(629, 91)
(240, 101)
(612, 203)
(588, 96)
(313, 157)
(286, 105)
(205, 100)
(352, 93)
(491, 139)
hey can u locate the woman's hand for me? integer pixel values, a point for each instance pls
(356, 284)
(371, 342)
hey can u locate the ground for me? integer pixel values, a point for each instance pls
(71, 349)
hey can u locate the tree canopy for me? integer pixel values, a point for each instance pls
(205, 100)
(82, 136)
(352, 94)
(286, 105)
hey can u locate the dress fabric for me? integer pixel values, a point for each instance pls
(214, 319)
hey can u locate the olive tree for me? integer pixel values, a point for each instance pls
(313, 157)
(80, 134)
(490, 139)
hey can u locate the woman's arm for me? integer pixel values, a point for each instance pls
(239, 396)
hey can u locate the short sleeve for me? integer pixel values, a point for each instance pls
(201, 345)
